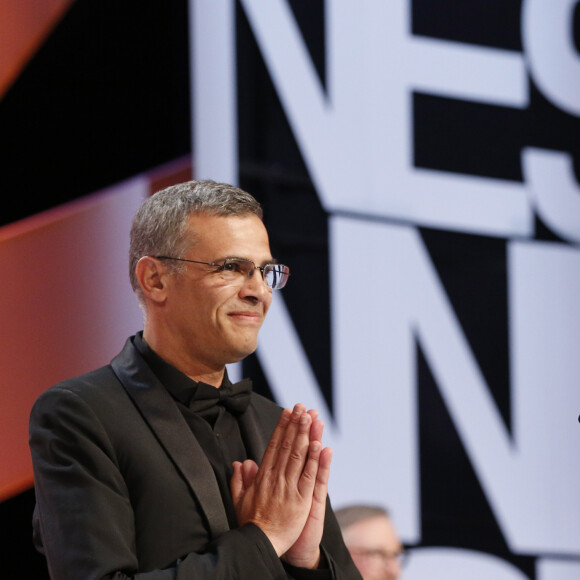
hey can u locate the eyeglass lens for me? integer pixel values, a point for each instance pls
(275, 275)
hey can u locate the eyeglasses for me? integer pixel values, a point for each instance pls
(380, 557)
(275, 276)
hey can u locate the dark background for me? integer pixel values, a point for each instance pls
(107, 97)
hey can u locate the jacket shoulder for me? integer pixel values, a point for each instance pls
(97, 388)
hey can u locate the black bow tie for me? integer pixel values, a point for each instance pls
(234, 397)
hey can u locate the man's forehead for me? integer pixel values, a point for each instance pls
(230, 236)
(376, 530)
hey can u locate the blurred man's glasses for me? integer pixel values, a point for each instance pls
(380, 557)
(235, 270)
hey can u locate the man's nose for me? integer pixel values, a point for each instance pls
(255, 285)
(393, 569)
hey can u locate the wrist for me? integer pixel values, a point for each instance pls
(310, 561)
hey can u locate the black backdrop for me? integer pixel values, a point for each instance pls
(449, 135)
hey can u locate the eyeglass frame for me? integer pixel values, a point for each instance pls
(222, 266)
(400, 556)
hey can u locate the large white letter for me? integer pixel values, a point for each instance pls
(547, 35)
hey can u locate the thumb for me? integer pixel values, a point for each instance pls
(237, 482)
(249, 470)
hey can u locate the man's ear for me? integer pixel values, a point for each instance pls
(152, 277)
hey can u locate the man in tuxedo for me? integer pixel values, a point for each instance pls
(372, 541)
(156, 466)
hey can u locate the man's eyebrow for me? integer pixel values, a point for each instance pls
(264, 262)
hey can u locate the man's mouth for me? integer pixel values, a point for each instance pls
(250, 316)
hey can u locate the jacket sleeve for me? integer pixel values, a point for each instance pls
(337, 563)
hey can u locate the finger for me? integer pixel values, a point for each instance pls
(249, 470)
(237, 483)
(318, 508)
(271, 453)
(299, 451)
(294, 442)
(313, 413)
(323, 474)
(325, 460)
(316, 430)
(309, 474)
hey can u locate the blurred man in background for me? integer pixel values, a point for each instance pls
(372, 541)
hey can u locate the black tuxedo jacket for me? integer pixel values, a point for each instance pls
(124, 489)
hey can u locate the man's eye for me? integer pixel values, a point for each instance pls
(232, 267)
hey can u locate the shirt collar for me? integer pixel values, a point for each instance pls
(179, 385)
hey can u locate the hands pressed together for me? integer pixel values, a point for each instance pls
(286, 496)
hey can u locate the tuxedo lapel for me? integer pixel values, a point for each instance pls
(254, 439)
(164, 418)
(257, 424)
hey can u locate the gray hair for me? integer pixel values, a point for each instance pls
(159, 226)
(347, 516)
